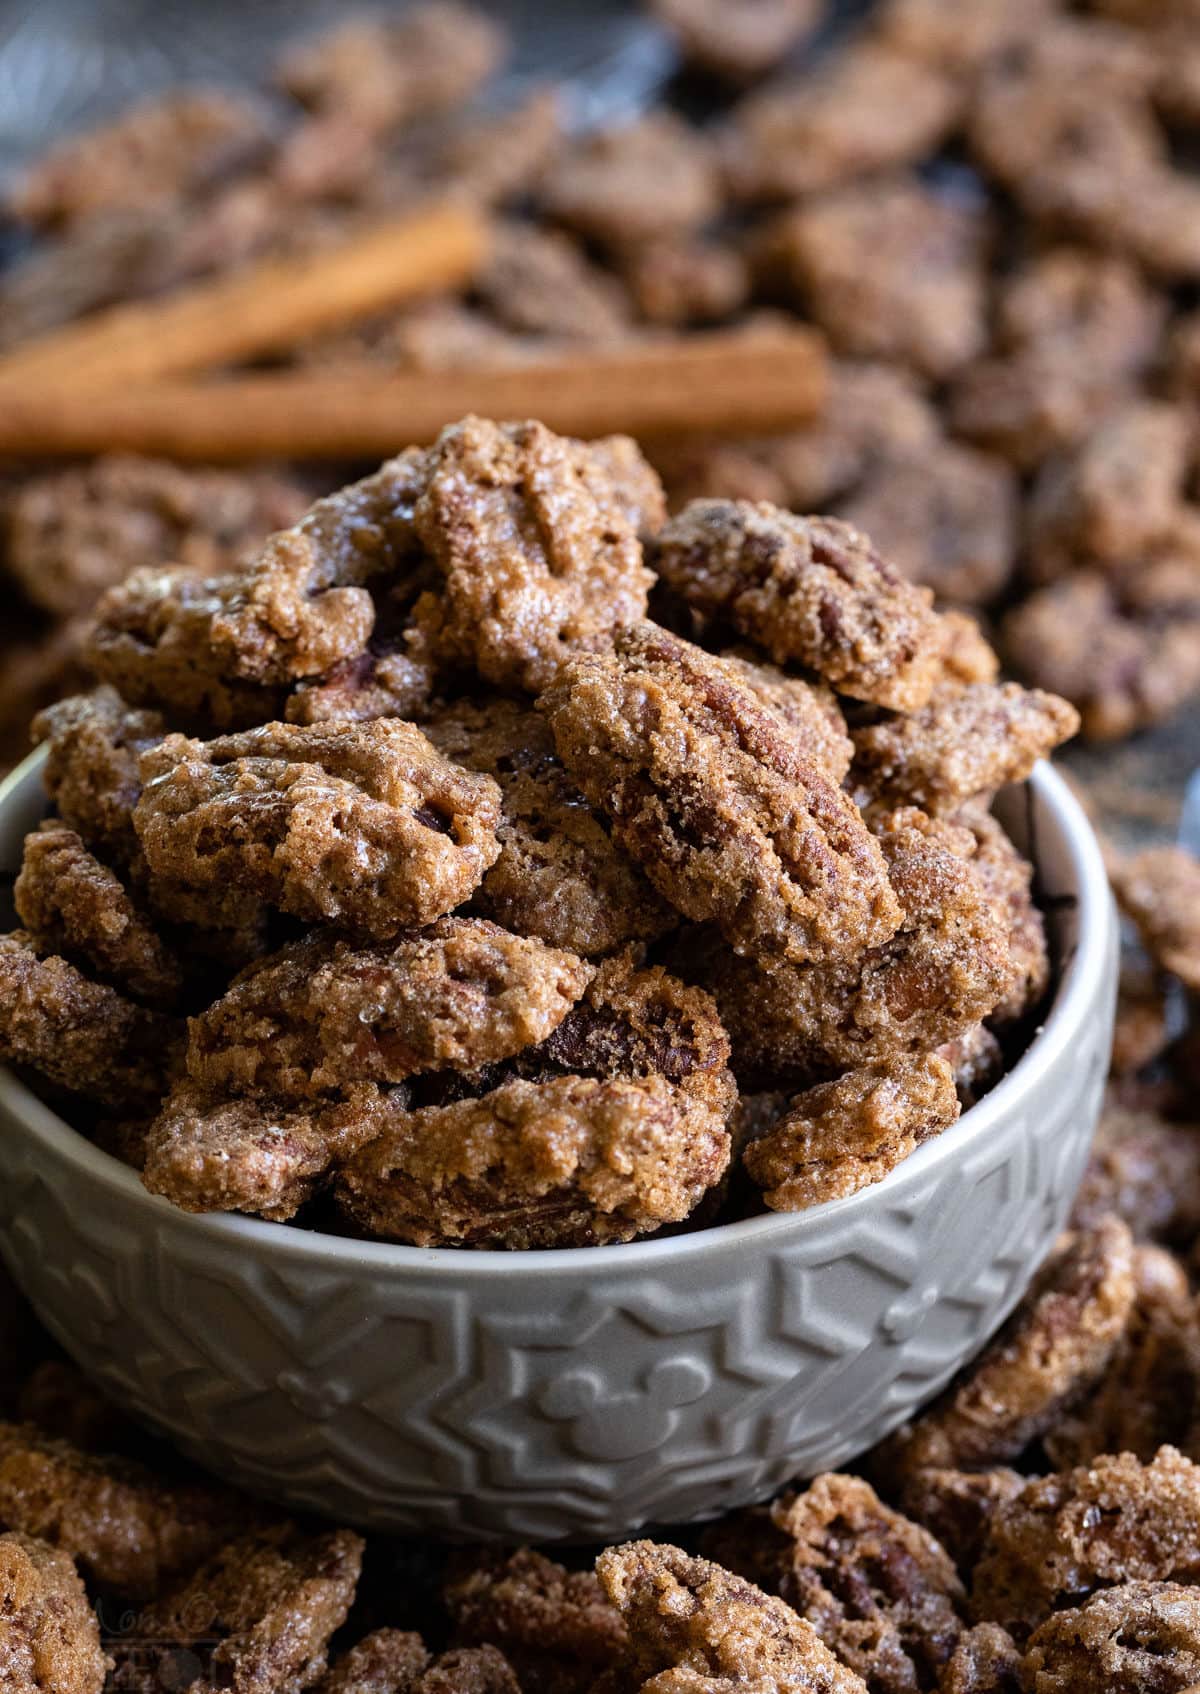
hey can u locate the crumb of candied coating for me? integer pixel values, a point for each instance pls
(323, 1014)
(570, 1161)
(1147, 1171)
(877, 1588)
(986, 1660)
(1159, 889)
(712, 1629)
(130, 1532)
(365, 824)
(946, 515)
(955, 1506)
(965, 742)
(210, 1152)
(628, 184)
(94, 742)
(810, 709)
(736, 42)
(1053, 1349)
(891, 270)
(49, 1634)
(809, 590)
(1007, 878)
(842, 1136)
(866, 109)
(388, 1661)
(707, 791)
(73, 906)
(556, 1627)
(1136, 1638)
(81, 1035)
(536, 547)
(272, 1599)
(559, 875)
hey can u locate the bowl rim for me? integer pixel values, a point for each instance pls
(1070, 1008)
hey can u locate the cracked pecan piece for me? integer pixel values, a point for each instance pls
(708, 792)
(535, 544)
(1136, 1638)
(365, 824)
(49, 1634)
(812, 591)
(559, 875)
(323, 1014)
(695, 1626)
(842, 1136)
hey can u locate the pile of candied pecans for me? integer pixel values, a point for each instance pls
(410, 879)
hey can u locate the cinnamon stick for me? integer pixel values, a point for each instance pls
(267, 306)
(724, 384)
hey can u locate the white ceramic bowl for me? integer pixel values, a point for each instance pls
(551, 1395)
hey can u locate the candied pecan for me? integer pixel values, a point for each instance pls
(1007, 879)
(891, 270)
(707, 791)
(956, 1506)
(387, 72)
(737, 39)
(810, 709)
(976, 1061)
(635, 182)
(680, 281)
(1147, 1171)
(986, 1660)
(81, 1035)
(469, 1670)
(130, 1531)
(207, 1152)
(569, 1161)
(270, 1600)
(323, 1014)
(946, 515)
(1141, 1032)
(72, 905)
(363, 823)
(537, 548)
(49, 1635)
(957, 37)
(842, 1136)
(1146, 1398)
(1065, 1536)
(693, 1625)
(382, 682)
(559, 875)
(556, 1627)
(810, 590)
(862, 111)
(492, 157)
(388, 1661)
(159, 151)
(634, 480)
(966, 654)
(539, 282)
(965, 742)
(94, 742)
(1137, 1638)
(1159, 888)
(946, 968)
(1052, 1350)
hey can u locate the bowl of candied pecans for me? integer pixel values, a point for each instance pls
(530, 1016)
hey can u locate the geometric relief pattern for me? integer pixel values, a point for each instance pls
(642, 1385)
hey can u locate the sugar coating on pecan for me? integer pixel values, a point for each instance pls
(73, 906)
(1159, 889)
(262, 1609)
(1131, 1639)
(469, 1670)
(365, 824)
(809, 709)
(1066, 1535)
(986, 1660)
(955, 1506)
(842, 1136)
(323, 1014)
(964, 742)
(79, 1034)
(93, 744)
(1007, 880)
(569, 1161)
(693, 1625)
(967, 656)
(208, 1151)
(556, 1627)
(50, 1637)
(1052, 1350)
(709, 793)
(131, 1532)
(537, 551)
(559, 874)
(388, 1661)
(810, 590)
(976, 1061)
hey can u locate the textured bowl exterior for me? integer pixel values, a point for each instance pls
(568, 1395)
